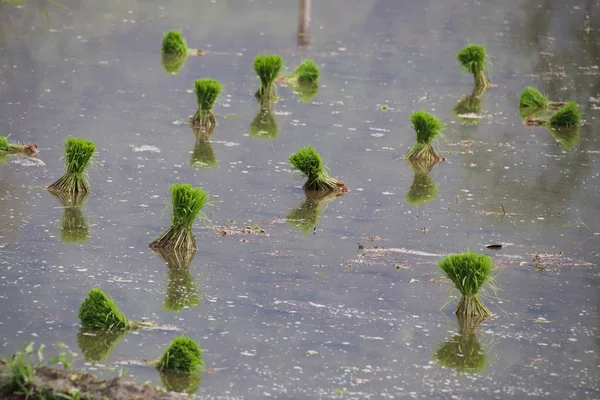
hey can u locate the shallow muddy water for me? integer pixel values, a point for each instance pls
(288, 315)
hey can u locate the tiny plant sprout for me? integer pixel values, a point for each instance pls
(173, 44)
(427, 127)
(308, 163)
(183, 356)
(472, 59)
(99, 312)
(264, 125)
(187, 202)
(462, 353)
(78, 153)
(267, 68)
(566, 117)
(469, 272)
(206, 91)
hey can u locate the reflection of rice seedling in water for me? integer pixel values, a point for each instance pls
(423, 188)
(183, 355)
(306, 217)
(96, 345)
(264, 125)
(469, 105)
(308, 163)
(567, 137)
(306, 91)
(203, 155)
(78, 152)
(469, 272)
(181, 288)
(187, 202)
(172, 63)
(462, 353)
(98, 311)
(173, 43)
(181, 383)
(73, 225)
(472, 59)
(567, 116)
(206, 91)
(427, 127)
(267, 68)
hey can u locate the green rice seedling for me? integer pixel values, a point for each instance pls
(533, 99)
(173, 43)
(99, 312)
(566, 137)
(267, 68)
(206, 90)
(172, 63)
(566, 117)
(7, 147)
(3, 144)
(462, 353)
(305, 73)
(472, 59)
(306, 217)
(469, 272)
(264, 125)
(187, 203)
(78, 153)
(423, 188)
(181, 288)
(97, 345)
(308, 163)
(427, 127)
(183, 355)
(468, 109)
(180, 383)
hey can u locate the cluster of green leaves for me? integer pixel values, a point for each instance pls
(187, 202)
(469, 272)
(472, 58)
(566, 117)
(183, 355)
(206, 90)
(98, 311)
(78, 152)
(173, 43)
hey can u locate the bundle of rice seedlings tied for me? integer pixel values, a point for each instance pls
(307, 73)
(181, 288)
(187, 202)
(78, 153)
(182, 356)
(267, 68)
(566, 117)
(308, 163)
(462, 353)
(206, 90)
(427, 127)
(16, 148)
(470, 272)
(97, 345)
(423, 188)
(264, 125)
(99, 312)
(306, 217)
(472, 59)
(174, 52)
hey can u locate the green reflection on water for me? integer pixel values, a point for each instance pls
(96, 345)
(181, 287)
(73, 224)
(306, 217)
(423, 188)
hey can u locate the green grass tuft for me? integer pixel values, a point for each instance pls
(462, 353)
(78, 153)
(98, 311)
(267, 68)
(183, 355)
(206, 90)
(531, 98)
(472, 59)
(173, 43)
(469, 272)
(307, 72)
(308, 162)
(186, 202)
(567, 116)
(427, 127)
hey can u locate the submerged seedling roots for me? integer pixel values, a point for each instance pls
(472, 306)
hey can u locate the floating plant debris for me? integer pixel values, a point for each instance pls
(78, 153)
(308, 163)
(494, 247)
(427, 127)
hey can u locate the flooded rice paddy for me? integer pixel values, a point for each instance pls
(351, 309)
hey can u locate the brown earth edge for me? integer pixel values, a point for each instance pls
(49, 382)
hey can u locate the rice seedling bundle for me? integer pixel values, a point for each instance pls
(186, 202)
(206, 90)
(183, 355)
(427, 127)
(469, 272)
(308, 163)
(12, 148)
(307, 72)
(472, 59)
(98, 311)
(566, 117)
(78, 153)
(533, 99)
(267, 68)
(174, 44)
(462, 353)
